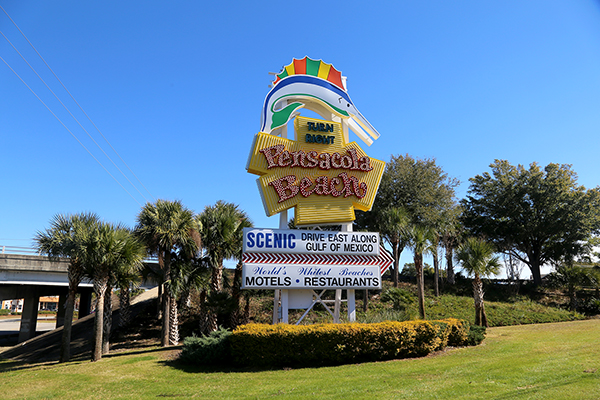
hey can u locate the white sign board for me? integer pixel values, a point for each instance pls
(310, 242)
(313, 277)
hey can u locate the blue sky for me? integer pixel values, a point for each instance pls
(177, 88)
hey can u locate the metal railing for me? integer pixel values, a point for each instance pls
(19, 250)
(30, 251)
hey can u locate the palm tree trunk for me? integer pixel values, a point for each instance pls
(65, 346)
(572, 299)
(216, 281)
(212, 321)
(164, 338)
(159, 302)
(173, 322)
(75, 274)
(436, 275)
(166, 309)
(100, 290)
(396, 254)
(124, 306)
(107, 326)
(236, 293)
(449, 266)
(480, 317)
(203, 313)
(418, 258)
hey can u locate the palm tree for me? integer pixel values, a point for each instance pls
(67, 237)
(114, 249)
(167, 227)
(123, 274)
(393, 224)
(450, 235)
(221, 228)
(477, 258)
(125, 281)
(421, 242)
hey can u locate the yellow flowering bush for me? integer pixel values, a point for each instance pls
(332, 344)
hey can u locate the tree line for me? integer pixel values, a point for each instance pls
(538, 216)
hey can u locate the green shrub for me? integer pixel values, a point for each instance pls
(590, 306)
(400, 298)
(214, 349)
(4, 311)
(476, 335)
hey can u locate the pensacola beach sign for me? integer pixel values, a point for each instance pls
(324, 177)
(320, 174)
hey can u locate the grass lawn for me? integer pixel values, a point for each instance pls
(546, 361)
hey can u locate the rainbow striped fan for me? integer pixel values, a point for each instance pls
(308, 66)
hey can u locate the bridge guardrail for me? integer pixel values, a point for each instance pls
(30, 251)
(18, 250)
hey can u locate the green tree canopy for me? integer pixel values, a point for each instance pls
(420, 186)
(412, 192)
(538, 215)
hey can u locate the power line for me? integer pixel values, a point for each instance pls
(70, 113)
(82, 110)
(68, 130)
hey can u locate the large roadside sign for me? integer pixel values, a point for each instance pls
(303, 259)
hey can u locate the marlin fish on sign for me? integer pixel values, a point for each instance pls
(305, 81)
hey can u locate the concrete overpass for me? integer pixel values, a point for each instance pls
(24, 276)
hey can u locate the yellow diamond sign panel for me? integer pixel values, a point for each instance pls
(320, 174)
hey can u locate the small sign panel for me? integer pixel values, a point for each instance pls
(314, 277)
(297, 241)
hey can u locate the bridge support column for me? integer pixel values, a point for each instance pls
(85, 301)
(60, 312)
(29, 315)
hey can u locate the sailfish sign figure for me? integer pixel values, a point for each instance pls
(305, 81)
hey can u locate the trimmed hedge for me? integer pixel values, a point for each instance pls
(334, 344)
(260, 345)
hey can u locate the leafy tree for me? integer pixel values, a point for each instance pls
(419, 186)
(68, 236)
(538, 215)
(167, 227)
(477, 259)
